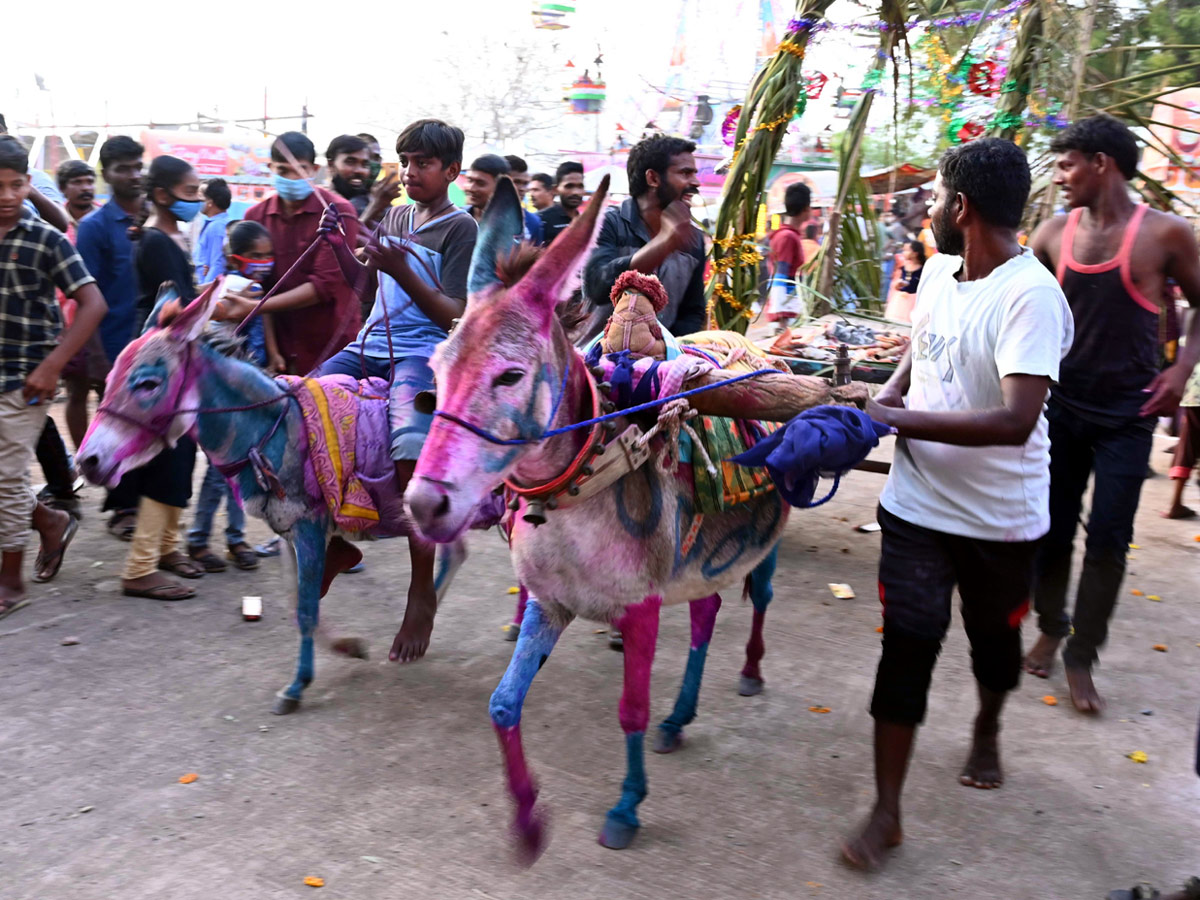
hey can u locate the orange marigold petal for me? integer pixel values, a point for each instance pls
(1050, 700)
(188, 778)
(314, 881)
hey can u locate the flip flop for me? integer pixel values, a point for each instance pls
(53, 561)
(161, 592)
(207, 560)
(7, 609)
(1184, 513)
(1137, 892)
(179, 564)
(243, 557)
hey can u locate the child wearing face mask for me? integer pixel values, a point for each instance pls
(248, 263)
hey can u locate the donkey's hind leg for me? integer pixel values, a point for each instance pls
(538, 637)
(758, 583)
(639, 625)
(307, 542)
(670, 732)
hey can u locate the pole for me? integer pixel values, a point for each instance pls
(1086, 27)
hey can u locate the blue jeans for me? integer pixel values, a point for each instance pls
(1119, 457)
(412, 375)
(212, 490)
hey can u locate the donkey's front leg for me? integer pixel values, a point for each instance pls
(670, 731)
(639, 625)
(758, 584)
(539, 633)
(307, 541)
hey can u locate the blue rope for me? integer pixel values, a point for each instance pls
(588, 423)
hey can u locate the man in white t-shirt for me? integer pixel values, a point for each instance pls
(968, 496)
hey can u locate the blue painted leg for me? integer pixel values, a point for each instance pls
(670, 732)
(758, 583)
(536, 641)
(639, 625)
(513, 628)
(308, 539)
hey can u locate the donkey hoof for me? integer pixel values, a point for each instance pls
(750, 687)
(285, 706)
(617, 835)
(616, 641)
(353, 647)
(531, 838)
(512, 631)
(667, 741)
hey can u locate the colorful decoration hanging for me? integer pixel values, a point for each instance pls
(585, 96)
(552, 16)
(982, 79)
(729, 125)
(963, 20)
(814, 84)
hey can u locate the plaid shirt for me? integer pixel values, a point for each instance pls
(34, 259)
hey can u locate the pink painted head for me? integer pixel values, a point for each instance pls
(150, 382)
(500, 370)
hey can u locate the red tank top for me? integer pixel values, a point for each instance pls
(1116, 350)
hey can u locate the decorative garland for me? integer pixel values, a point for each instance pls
(960, 21)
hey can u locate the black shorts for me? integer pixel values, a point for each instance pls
(918, 571)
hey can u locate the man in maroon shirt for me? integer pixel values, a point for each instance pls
(315, 302)
(787, 255)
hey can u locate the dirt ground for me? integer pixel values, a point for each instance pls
(387, 783)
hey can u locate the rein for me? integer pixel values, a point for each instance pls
(595, 420)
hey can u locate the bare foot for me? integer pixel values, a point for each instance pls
(1039, 660)
(882, 832)
(1179, 511)
(983, 764)
(1083, 691)
(412, 640)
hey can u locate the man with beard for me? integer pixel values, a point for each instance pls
(382, 194)
(77, 181)
(569, 188)
(349, 162)
(968, 495)
(652, 232)
(1113, 259)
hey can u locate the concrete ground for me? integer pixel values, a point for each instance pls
(387, 784)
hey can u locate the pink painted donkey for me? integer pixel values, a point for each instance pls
(616, 557)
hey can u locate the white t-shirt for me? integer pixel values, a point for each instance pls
(966, 337)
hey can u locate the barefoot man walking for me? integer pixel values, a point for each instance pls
(1112, 258)
(968, 495)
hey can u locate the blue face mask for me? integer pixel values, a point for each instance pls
(186, 210)
(291, 189)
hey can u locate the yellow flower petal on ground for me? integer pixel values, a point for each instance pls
(313, 881)
(1138, 756)
(1134, 547)
(188, 778)
(1154, 597)
(514, 590)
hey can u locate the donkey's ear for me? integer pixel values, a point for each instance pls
(188, 325)
(556, 275)
(500, 230)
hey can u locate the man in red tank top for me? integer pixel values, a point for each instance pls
(1112, 257)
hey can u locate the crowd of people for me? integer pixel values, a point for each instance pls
(1033, 369)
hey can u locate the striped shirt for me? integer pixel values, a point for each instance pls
(34, 260)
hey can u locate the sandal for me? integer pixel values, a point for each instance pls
(8, 607)
(166, 590)
(179, 564)
(243, 557)
(207, 560)
(46, 566)
(123, 524)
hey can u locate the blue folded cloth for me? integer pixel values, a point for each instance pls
(823, 440)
